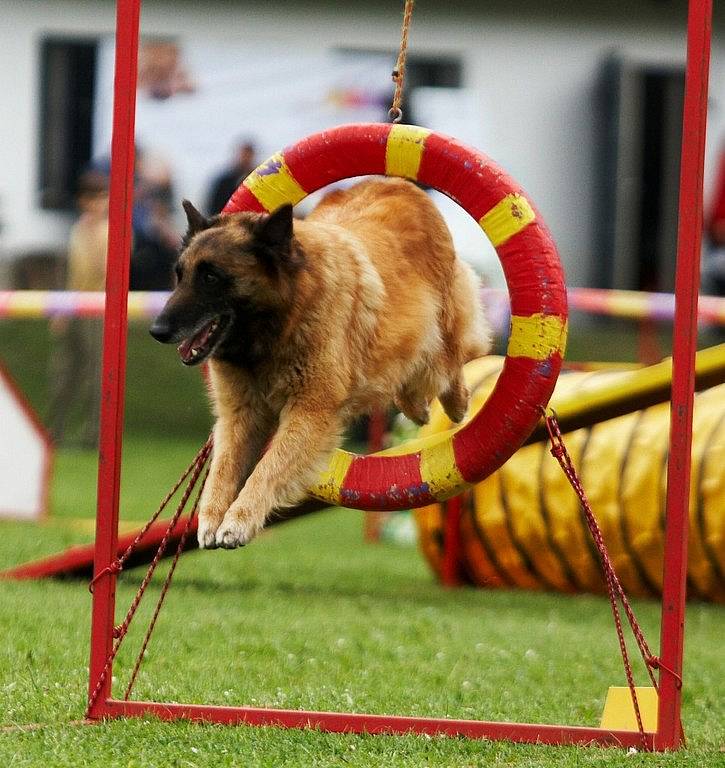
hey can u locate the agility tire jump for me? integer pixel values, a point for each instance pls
(441, 466)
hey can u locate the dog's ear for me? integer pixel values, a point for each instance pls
(197, 221)
(275, 230)
(274, 241)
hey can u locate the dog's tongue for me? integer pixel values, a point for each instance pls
(197, 342)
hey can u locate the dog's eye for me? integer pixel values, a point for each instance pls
(206, 274)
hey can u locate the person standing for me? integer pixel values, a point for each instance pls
(225, 184)
(156, 239)
(78, 341)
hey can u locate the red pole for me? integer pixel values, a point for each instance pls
(687, 281)
(114, 342)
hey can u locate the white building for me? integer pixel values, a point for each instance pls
(529, 71)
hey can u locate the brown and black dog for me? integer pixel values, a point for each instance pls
(309, 323)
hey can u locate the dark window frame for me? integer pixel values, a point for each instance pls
(67, 101)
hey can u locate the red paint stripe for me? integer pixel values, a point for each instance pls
(340, 153)
(470, 178)
(243, 200)
(324, 158)
(533, 273)
(385, 482)
(508, 417)
(529, 259)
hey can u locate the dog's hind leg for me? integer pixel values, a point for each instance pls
(413, 405)
(455, 398)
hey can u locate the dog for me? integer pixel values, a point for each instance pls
(308, 323)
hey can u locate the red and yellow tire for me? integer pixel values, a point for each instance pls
(441, 466)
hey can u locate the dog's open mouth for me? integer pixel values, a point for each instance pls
(199, 346)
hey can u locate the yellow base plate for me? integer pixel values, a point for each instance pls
(619, 713)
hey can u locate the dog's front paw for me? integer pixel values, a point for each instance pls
(207, 530)
(237, 529)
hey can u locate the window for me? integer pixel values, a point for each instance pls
(67, 82)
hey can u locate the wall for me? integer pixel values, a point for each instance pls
(532, 69)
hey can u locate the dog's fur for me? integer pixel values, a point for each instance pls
(309, 323)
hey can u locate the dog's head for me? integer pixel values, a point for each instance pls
(234, 277)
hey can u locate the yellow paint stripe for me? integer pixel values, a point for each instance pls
(418, 444)
(537, 336)
(404, 150)
(329, 483)
(273, 184)
(438, 469)
(508, 217)
(27, 304)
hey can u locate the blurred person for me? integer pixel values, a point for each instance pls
(225, 183)
(161, 72)
(76, 358)
(155, 236)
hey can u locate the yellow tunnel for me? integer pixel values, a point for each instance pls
(522, 526)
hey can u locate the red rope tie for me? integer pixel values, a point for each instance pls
(656, 663)
(557, 451)
(115, 567)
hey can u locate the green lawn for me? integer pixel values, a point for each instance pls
(153, 407)
(308, 616)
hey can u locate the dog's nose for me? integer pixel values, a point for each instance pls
(161, 330)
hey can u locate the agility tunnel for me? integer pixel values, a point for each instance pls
(522, 527)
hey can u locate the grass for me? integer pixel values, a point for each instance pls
(310, 617)
(306, 617)
(152, 406)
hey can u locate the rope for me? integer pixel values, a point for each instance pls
(164, 590)
(120, 631)
(395, 113)
(615, 590)
(117, 565)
